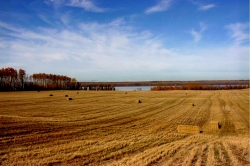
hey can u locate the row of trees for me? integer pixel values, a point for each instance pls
(170, 83)
(12, 79)
(53, 81)
(199, 87)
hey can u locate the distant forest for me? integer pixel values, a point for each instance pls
(171, 83)
(14, 80)
(197, 86)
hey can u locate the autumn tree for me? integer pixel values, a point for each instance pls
(22, 74)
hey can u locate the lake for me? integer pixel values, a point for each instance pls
(133, 88)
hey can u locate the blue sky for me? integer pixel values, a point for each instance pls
(127, 40)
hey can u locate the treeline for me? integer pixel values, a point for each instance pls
(194, 86)
(53, 81)
(12, 80)
(170, 83)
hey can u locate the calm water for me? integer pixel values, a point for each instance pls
(146, 88)
(133, 88)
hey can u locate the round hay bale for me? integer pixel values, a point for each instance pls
(77, 92)
(66, 95)
(137, 101)
(125, 92)
(51, 95)
(70, 98)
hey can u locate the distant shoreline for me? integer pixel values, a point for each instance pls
(168, 83)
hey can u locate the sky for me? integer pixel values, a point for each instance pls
(127, 40)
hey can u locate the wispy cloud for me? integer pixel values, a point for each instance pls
(206, 7)
(114, 51)
(65, 18)
(112, 47)
(198, 34)
(44, 18)
(162, 5)
(239, 32)
(8, 27)
(55, 2)
(202, 6)
(88, 5)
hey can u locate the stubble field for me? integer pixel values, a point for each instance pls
(110, 128)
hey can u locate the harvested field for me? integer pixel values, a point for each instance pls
(109, 128)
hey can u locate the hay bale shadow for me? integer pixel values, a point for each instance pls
(138, 101)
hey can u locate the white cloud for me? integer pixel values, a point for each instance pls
(65, 18)
(44, 18)
(54, 2)
(8, 27)
(198, 34)
(163, 5)
(206, 7)
(202, 6)
(88, 5)
(114, 52)
(107, 47)
(239, 32)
